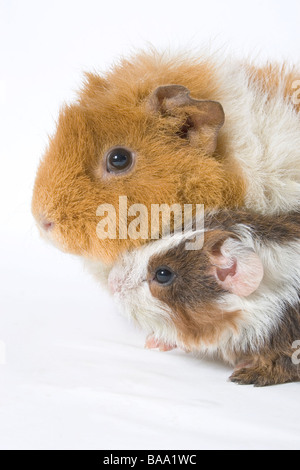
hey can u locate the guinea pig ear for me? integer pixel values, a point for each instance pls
(203, 119)
(236, 267)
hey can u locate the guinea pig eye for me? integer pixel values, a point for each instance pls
(164, 276)
(118, 160)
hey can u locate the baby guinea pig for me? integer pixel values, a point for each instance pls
(236, 298)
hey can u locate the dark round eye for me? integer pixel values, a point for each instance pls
(164, 275)
(119, 159)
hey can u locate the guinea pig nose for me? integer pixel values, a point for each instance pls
(114, 285)
(47, 225)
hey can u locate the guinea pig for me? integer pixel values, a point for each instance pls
(162, 129)
(236, 298)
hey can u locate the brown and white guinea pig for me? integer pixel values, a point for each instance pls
(169, 129)
(237, 297)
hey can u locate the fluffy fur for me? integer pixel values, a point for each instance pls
(256, 162)
(254, 333)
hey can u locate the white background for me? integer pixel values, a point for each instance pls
(76, 374)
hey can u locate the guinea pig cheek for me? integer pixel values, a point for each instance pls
(161, 293)
(125, 279)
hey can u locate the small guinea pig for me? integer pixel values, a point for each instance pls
(237, 297)
(163, 129)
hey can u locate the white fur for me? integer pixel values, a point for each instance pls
(263, 136)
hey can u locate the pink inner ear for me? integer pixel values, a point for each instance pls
(241, 274)
(222, 273)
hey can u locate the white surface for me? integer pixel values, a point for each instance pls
(76, 374)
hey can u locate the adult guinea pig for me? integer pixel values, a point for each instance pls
(237, 297)
(153, 129)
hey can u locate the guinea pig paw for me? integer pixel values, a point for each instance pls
(166, 347)
(153, 343)
(256, 376)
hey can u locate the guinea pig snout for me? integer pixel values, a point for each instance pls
(120, 282)
(115, 284)
(47, 225)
